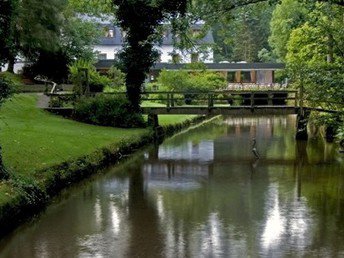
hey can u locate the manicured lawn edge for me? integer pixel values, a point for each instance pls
(27, 197)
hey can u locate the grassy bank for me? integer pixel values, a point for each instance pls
(33, 139)
(44, 153)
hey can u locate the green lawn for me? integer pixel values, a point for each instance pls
(33, 139)
(167, 119)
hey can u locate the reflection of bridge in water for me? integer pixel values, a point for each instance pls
(231, 147)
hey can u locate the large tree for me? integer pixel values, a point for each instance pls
(141, 20)
(8, 15)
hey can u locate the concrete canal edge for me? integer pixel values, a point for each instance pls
(30, 196)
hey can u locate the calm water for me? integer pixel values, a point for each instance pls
(202, 194)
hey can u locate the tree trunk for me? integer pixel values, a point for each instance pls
(11, 62)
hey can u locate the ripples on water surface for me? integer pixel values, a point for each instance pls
(202, 194)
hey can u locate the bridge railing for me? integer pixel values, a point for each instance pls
(171, 99)
(220, 98)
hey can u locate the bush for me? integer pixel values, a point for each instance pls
(6, 88)
(192, 82)
(97, 82)
(108, 111)
(117, 78)
(196, 81)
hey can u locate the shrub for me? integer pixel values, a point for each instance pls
(97, 82)
(107, 111)
(117, 78)
(192, 82)
(196, 81)
(6, 88)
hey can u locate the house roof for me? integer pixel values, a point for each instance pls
(105, 64)
(224, 66)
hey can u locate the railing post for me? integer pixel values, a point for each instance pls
(168, 100)
(210, 100)
(270, 99)
(252, 99)
(172, 100)
(296, 94)
(301, 97)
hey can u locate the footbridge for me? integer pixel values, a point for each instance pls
(229, 102)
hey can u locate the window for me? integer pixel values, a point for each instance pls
(245, 76)
(194, 57)
(176, 58)
(102, 56)
(196, 32)
(108, 32)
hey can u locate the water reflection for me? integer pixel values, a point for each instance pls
(202, 194)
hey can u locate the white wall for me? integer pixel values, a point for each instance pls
(165, 52)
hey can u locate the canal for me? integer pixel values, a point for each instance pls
(202, 194)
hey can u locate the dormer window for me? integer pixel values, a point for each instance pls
(166, 34)
(109, 33)
(196, 32)
(102, 56)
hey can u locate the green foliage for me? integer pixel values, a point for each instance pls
(195, 66)
(117, 78)
(8, 13)
(42, 139)
(5, 91)
(6, 88)
(141, 20)
(195, 81)
(315, 57)
(108, 111)
(97, 82)
(288, 15)
(266, 56)
(92, 7)
(241, 34)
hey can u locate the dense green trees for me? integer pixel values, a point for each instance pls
(8, 14)
(315, 59)
(48, 34)
(288, 15)
(242, 34)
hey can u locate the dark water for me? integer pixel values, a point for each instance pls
(202, 194)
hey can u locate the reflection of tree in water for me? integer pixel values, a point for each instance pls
(146, 239)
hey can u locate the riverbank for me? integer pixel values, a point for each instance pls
(45, 153)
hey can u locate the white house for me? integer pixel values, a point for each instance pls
(113, 38)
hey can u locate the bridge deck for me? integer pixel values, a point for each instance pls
(229, 110)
